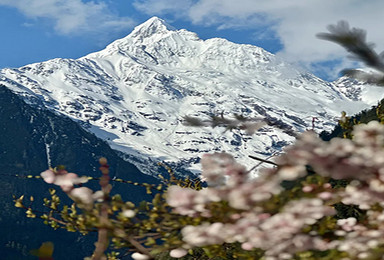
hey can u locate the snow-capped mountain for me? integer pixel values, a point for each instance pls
(360, 91)
(135, 92)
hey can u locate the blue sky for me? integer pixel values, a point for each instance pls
(38, 30)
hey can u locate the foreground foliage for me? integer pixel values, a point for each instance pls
(317, 217)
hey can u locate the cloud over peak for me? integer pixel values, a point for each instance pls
(295, 22)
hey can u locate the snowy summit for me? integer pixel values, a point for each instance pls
(135, 92)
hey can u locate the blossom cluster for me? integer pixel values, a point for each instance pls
(67, 181)
(278, 234)
(249, 224)
(235, 187)
(283, 233)
(361, 158)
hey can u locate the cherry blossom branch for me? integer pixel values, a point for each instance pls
(102, 240)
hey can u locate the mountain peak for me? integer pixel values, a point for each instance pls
(152, 26)
(134, 92)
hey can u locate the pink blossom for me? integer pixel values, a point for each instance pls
(219, 165)
(347, 224)
(371, 133)
(291, 172)
(67, 181)
(48, 176)
(177, 253)
(129, 213)
(307, 189)
(190, 202)
(63, 179)
(325, 195)
(138, 256)
(205, 234)
(83, 194)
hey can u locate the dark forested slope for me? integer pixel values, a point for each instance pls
(31, 138)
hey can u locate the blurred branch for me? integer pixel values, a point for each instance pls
(368, 77)
(249, 125)
(354, 41)
(102, 241)
(238, 122)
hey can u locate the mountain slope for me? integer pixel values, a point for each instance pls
(360, 91)
(134, 93)
(31, 140)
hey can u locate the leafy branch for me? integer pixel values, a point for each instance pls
(354, 41)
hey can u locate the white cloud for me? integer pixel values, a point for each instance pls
(72, 17)
(294, 22)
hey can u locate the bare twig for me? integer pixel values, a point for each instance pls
(139, 247)
(262, 160)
